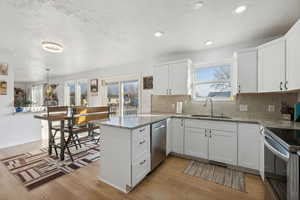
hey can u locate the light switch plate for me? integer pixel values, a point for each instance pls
(243, 107)
(271, 108)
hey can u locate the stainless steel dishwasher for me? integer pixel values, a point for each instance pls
(158, 143)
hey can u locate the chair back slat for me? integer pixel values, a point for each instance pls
(90, 114)
(56, 109)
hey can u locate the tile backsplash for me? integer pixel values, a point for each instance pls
(243, 105)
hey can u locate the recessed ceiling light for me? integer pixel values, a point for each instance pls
(197, 5)
(208, 43)
(240, 9)
(52, 47)
(158, 34)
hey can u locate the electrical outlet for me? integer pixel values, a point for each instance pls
(243, 107)
(271, 108)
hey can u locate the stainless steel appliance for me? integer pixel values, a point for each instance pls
(281, 161)
(158, 143)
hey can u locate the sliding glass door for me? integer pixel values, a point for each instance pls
(123, 97)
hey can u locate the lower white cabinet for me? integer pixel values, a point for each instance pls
(177, 135)
(196, 143)
(169, 136)
(223, 147)
(262, 154)
(140, 168)
(213, 140)
(249, 146)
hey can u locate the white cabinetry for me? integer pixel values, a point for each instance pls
(196, 143)
(245, 71)
(223, 146)
(177, 135)
(215, 140)
(249, 145)
(292, 57)
(172, 78)
(262, 154)
(271, 66)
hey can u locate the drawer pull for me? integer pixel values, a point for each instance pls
(143, 162)
(142, 130)
(142, 142)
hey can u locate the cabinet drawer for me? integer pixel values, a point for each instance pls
(211, 124)
(140, 142)
(140, 168)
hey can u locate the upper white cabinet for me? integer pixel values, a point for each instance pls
(271, 66)
(292, 57)
(245, 71)
(172, 78)
(249, 146)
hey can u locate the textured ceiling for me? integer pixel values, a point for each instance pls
(107, 33)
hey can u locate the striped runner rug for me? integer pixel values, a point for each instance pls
(217, 174)
(34, 169)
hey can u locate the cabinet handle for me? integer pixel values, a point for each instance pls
(143, 162)
(167, 91)
(210, 133)
(285, 85)
(281, 85)
(142, 142)
(239, 88)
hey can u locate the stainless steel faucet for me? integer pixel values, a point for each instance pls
(211, 105)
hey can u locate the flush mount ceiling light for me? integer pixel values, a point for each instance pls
(52, 47)
(158, 34)
(197, 4)
(240, 9)
(208, 43)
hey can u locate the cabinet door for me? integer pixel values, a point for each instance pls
(196, 143)
(161, 80)
(247, 71)
(271, 66)
(223, 147)
(249, 146)
(177, 135)
(169, 136)
(178, 78)
(262, 154)
(293, 58)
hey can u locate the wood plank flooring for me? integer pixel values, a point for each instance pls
(165, 183)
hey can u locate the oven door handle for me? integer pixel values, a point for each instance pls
(276, 152)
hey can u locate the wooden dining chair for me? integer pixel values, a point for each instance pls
(83, 118)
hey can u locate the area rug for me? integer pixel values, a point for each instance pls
(34, 169)
(217, 174)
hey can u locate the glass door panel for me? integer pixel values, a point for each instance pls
(71, 88)
(113, 96)
(83, 91)
(130, 97)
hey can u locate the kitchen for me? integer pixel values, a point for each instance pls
(182, 113)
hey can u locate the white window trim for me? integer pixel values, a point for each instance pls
(212, 64)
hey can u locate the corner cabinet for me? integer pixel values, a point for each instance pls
(245, 71)
(172, 78)
(271, 66)
(196, 143)
(292, 57)
(177, 138)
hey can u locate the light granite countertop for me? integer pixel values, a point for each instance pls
(136, 121)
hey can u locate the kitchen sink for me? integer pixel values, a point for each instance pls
(215, 116)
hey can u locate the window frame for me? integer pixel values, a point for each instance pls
(208, 65)
(77, 92)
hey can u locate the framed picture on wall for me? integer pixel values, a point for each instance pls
(94, 87)
(148, 83)
(3, 87)
(4, 69)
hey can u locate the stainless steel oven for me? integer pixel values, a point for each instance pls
(281, 169)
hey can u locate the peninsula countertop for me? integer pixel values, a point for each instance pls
(136, 121)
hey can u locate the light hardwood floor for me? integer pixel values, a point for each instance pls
(166, 183)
